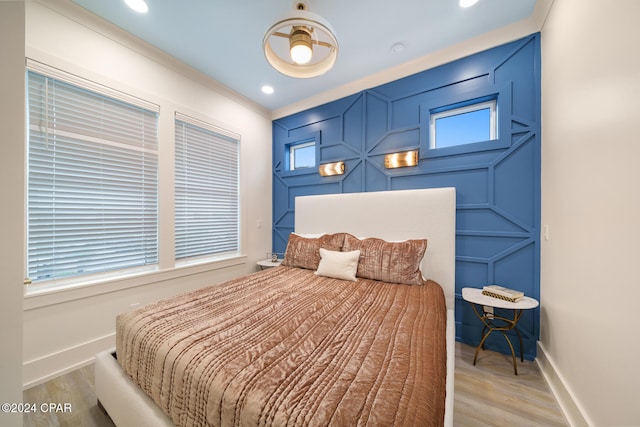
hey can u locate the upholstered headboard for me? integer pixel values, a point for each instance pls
(391, 215)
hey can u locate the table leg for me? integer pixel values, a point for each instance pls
(520, 339)
(513, 353)
(490, 326)
(481, 345)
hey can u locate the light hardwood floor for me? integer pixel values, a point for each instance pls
(488, 394)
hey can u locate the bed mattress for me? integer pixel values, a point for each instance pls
(287, 347)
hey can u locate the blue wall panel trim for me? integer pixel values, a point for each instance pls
(497, 182)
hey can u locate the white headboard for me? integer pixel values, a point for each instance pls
(391, 215)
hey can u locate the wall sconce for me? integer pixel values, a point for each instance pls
(401, 160)
(330, 169)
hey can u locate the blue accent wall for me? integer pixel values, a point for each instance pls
(497, 182)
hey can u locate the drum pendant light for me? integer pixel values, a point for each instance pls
(301, 44)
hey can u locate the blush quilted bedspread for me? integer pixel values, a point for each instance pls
(285, 347)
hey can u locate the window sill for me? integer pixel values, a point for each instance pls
(40, 296)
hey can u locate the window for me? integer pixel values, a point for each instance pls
(302, 155)
(207, 190)
(92, 191)
(459, 125)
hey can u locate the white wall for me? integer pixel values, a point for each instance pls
(590, 285)
(11, 225)
(63, 330)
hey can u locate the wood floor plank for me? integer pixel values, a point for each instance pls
(488, 394)
(76, 389)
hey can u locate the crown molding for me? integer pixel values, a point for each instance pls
(116, 34)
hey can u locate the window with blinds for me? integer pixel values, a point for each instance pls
(92, 202)
(207, 216)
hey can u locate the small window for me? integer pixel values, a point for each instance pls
(302, 156)
(464, 125)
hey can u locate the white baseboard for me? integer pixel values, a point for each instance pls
(572, 410)
(45, 368)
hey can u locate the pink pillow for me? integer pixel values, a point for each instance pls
(391, 262)
(304, 252)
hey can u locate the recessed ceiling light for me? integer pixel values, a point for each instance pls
(267, 89)
(397, 47)
(467, 3)
(137, 5)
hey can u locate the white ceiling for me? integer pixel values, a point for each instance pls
(223, 38)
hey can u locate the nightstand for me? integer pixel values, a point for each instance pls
(268, 263)
(500, 324)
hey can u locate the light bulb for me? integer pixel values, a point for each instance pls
(300, 44)
(301, 54)
(139, 6)
(467, 3)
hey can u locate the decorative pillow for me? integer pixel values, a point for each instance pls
(339, 265)
(392, 262)
(304, 252)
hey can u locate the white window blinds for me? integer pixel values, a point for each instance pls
(92, 181)
(207, 190)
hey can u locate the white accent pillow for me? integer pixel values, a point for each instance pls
(338, 265)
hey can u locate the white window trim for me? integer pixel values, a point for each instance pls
(191, 256)
(493, 118)
(64, 283)
(37, 296)
(206, 125)
(40, 68)
(292, 154)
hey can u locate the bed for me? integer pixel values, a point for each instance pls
(312, 350)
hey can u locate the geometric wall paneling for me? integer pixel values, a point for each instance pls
(395, 140)
(354, 177)
(353, 134)
(483, 219)
(336, 152)
(520, 128)
(508, 267)
(472, 272)
(518, 266)
(497, 182)
(332, 187)
(515, 63)
(486, 248)
(283, 225)
(470, 183)
(511, 186)
(377, 118)
(375, 177)
(286, 220)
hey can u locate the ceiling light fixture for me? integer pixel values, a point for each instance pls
(397, 47)
(467, 3)
(301, 44)
(139, 6)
